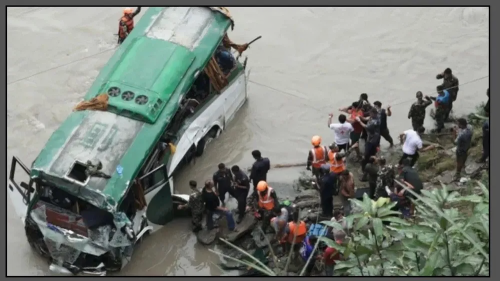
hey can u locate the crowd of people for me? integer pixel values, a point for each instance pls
(361, 121)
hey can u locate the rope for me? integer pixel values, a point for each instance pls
(405, 101)
(59, 66)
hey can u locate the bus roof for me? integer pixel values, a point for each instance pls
(151, 70)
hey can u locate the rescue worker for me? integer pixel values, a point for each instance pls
(280, 220)
(127, 23)
(241, 188)
(450, 83)
(295, 232)
(382, 117)
(386, 176)
(372, 173)
(347, 190)
(223, 183)
(417, 111)
(263, 200)
(442, 105)
(212, 203)
(355, 135)
(196, 205)
(336, 159)
(260, 167)
(329, 188)
(317, 156)
(463, 139)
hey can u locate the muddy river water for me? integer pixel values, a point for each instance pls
(323, 58)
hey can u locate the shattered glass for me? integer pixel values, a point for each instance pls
(65, 245)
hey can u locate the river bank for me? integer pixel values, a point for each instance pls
(436, 168)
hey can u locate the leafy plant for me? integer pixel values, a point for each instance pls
(437, 241)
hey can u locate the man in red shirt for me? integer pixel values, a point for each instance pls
(331, 256)
(358, 129)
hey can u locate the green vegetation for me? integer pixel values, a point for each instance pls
(438, 241)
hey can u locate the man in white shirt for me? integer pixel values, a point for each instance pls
(342, 131)
(412, 144)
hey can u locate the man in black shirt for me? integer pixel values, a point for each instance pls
(241, 188)
(329, 188)
(213, 207)
(223, 181)
(382, 116)
(259, 168)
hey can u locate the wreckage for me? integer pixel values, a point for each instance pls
(105, 176)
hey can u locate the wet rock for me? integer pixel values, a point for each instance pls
(473, 168)
(207, 237)
(307, 195)
(309, 203)
(245, 226)
(260, 240)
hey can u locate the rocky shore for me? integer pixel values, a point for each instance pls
(436, 167)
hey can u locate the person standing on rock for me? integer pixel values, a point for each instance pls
(342, 131)
(196, 205)
(382, 117)
(487, 105)
(260, 167)
(412, 145)
(372, 173)
(385, 178)
(346, 190)
(241, 188)
(280, 220)
(212, 204)
(355, 135)
(295, 232)
(450, 83)
(372, 144)
(486, 142)
(223, 181)
(463, 139)
(329, 188)
(417, 111)
(317, 156)
(263, 200)
(336, 159)
(442, 106)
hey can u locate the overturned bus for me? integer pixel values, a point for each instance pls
(104, 178)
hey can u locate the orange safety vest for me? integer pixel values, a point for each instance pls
(301, 232)
(266, 202)
(129, 22)
(336, 166)
(319, 156)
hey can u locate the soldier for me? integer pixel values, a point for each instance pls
(442, 106)
(417, 111)
(385, 178)
(196, 205)
(450, 83)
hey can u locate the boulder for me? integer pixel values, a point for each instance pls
(207, 237)
(245, 226)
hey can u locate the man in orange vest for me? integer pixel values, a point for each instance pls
(127, 23)
(295, 232)
(317, 156)
(336, 159)
(263, 200)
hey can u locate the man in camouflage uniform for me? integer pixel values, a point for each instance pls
(386, 175)
(417, 111)
(196, 206)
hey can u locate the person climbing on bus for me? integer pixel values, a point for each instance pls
(262, 201)
(196, 206)
(317, 156)
(127, 23)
